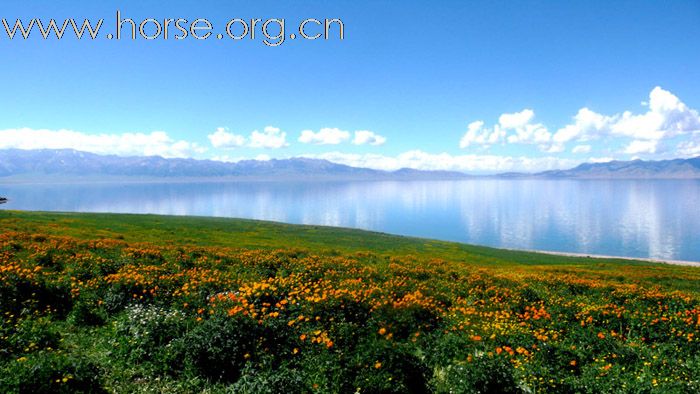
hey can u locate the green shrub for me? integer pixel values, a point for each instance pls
(483, 374)
(50, 372)
(26, 335)
(217, 348)
(86, 313)
(146, 333)
(271, 381)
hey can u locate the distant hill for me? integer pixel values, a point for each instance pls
(635, 169)
(67, 163)
(72, 163)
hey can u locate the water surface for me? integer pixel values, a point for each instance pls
(648, 218)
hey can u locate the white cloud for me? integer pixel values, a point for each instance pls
(367, 137)
(690, 148)
(477, 134)
(335, 136)
(223, 139)
(516, 128)
(156, 143)
(581, 149)
(641, 146)
(525, 132)
(516, 120)
(325, 136)
(418, 159)
(271, 138)
(587, 125)
(228, 159)
(667, 117)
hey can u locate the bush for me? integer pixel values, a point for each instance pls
(50, 372)
(145, 334)
(217, 348)
(483, 374)
(266, 381)
(26, 335)
(85, 313)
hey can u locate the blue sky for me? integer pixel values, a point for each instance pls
(472, 86)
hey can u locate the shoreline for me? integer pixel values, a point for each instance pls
(687, 263)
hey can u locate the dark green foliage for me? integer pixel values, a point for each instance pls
(47, 372)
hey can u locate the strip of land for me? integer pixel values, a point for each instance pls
(608, 257)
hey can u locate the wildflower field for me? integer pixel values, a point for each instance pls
(138, 303)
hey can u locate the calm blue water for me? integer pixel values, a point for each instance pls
(657, 219)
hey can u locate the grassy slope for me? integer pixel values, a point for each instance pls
(93, 343)
(254, 234)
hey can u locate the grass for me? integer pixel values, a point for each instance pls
(257, 234)
(145, 303)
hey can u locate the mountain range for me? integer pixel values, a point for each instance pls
(72, 163)
(635, 169)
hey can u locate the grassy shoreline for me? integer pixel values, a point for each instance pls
(252, 233)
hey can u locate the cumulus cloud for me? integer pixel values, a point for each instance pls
(581, 149)
(421, 160)
(271, 138)
(666, 117)
(641, 146)
(600, 159)
(325, 136)
(221, 138)
(517, 119)
(366, 137)
(156, 143)
(516, 128)
(477, 134)
(690, 148)
(335, 136)
(587, 125)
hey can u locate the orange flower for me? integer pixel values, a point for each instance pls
(377, 365)
(382, 331)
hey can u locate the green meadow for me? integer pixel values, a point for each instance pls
(147, 303)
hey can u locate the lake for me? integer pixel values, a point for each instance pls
(633, 218)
